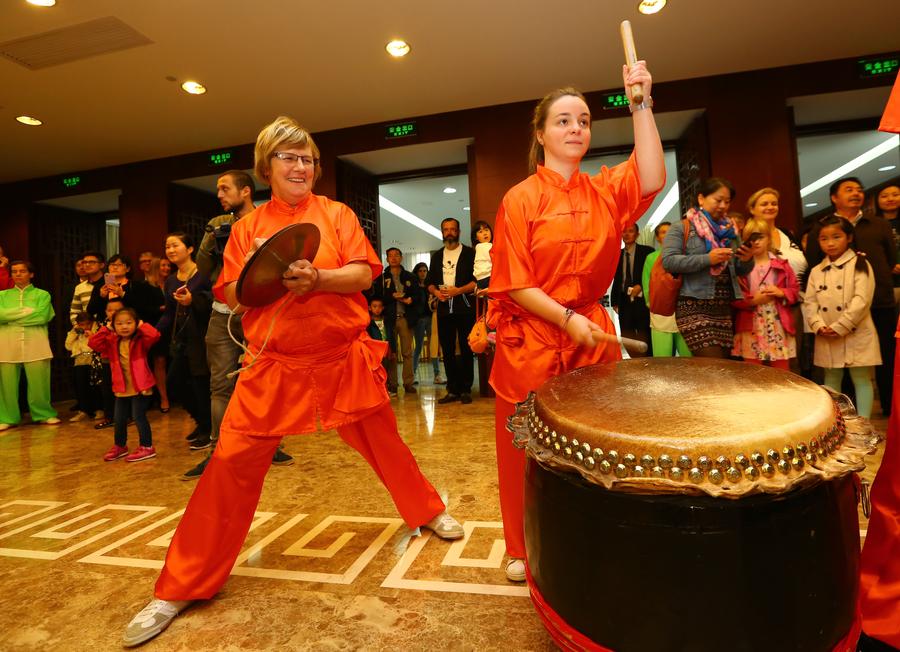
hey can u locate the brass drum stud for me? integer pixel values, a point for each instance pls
(553, 435)
(722, 463)
(772, 455)
(658, 472)
(741, 461)
(704, 463)
(758, 459)
(767, 470)
(752, 473)
(567, 452)
(814, 445)
(598, 455)
(590, 463)
(545, 442)
(811, 457)
(579, 457)
(647, 461)
(575, 444)
(621, 471)
(665, 461)
(784, 466)
(695, 475)
(639, 471)
(684, 462)
(788, 452)
(556, 447)
(605, 467)
(629, 460)
(586, 448)
(612, 457)
(563, 440)
(676, 473)
(802, 449)
(797, 463)
(733, 474)
(716, 477)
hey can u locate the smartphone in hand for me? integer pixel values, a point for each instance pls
(109, 279)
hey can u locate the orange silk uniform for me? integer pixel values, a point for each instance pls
(319, 370)
(318, 353)
(565, 238)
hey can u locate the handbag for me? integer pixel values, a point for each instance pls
(478, 336)
(665, 287)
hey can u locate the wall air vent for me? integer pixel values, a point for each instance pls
(58, 46)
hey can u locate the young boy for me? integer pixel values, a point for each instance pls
(378, 331)
(77, 344)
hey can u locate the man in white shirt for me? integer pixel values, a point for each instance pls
(451, 279)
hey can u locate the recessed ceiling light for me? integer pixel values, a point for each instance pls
(449, 191)
(28, 120)
(651, 6)
(887, 168)
(465, 208)
(397, 48)
(194, 88)
(815, 203)
(42, 3)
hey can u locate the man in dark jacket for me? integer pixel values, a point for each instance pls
(399, 291)
(872, 236)
(626, 294)
(451, 279)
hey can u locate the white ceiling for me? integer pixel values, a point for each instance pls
(325, 64)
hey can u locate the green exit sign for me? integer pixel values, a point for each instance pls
(400, 130)
(71, 182)
(615, 101)
(878, 67)
(220, 158)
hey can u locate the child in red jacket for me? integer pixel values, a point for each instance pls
(764, 326)
(132, 380)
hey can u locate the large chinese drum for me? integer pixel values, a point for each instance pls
(691, 505)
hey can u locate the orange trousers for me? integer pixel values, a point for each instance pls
(511, 474)
(880, 564)
(220, 511)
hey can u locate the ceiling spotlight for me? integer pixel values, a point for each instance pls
(887, 168)
(194, 88)
(397, 48)
(42, 3)
(815, 203)
(28, 120)
(449, 191)
(651, 6)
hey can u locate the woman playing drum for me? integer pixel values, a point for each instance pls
(557, 243)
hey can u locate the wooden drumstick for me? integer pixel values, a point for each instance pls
(637, 90)
(631, 345)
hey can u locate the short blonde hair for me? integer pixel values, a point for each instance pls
(282, 132)
(756, 225)
(751, 202)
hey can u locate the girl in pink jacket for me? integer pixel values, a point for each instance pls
(132, 381)
(764, 325)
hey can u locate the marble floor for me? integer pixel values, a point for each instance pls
(328, 564)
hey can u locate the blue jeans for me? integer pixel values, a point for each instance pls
(423, 326)
(133, 406)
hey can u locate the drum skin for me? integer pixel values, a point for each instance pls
(659, 573)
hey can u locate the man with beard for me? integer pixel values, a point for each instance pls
(874, 237)
(235, 192)
(451, 280)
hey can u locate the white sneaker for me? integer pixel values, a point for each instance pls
(439, 381)
(79, 416)
(515, 570)
(52, 421)
(445, 526)
(152, 620)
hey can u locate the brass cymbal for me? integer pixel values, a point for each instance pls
(260, 282)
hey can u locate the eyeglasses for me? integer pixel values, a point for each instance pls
(117, 263)
(90, 262)
(287, 157)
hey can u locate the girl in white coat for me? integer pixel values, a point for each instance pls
(838, 299)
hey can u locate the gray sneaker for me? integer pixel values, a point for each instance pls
(445, 526)
(151, 620)
(280, 458)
